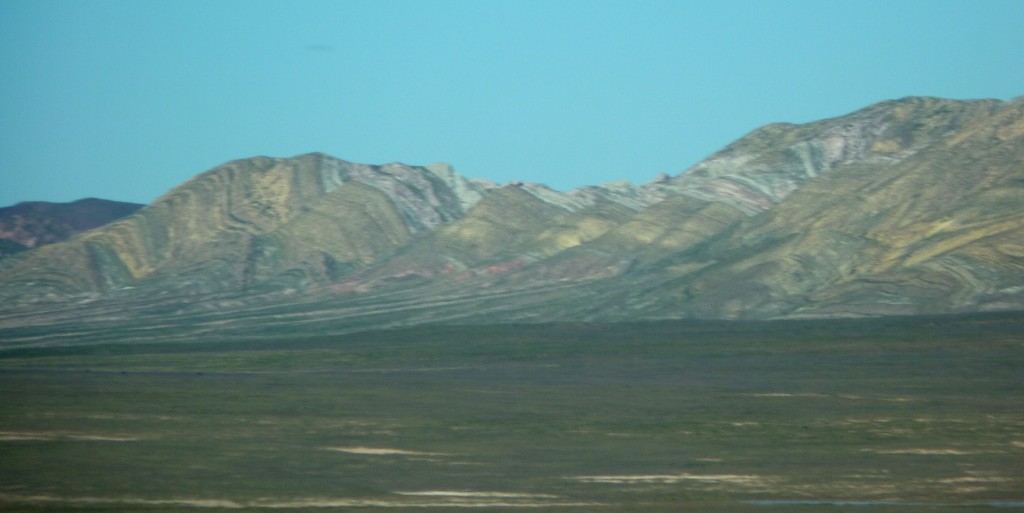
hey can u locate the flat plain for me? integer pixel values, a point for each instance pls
(907, 414)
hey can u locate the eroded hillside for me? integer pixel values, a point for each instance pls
(907, 206)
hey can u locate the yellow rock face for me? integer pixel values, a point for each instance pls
(886, 146)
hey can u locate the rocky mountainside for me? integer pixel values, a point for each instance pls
(921, 211)
(905, 207)
(32, 224)
(254, 223)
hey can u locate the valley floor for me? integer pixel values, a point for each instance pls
(902, 415)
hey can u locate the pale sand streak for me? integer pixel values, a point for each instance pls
(196, 503)
(298, 503)
(786, 394)
(926, 452)
(382, 451)
(976, 479)
(501, 495)
(12, 436)
(675, 478)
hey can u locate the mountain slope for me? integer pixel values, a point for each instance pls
(907, 206)
(940, 230)
(257, 222)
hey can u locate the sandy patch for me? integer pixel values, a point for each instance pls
(13, 436)
(382, 451)
(452, 502)
(847, 489)
(785, 394)
(880, 420)
(501, 495)
(923, 452)
(851, 397)
(138, 501)
(9, 436)
(970, 489)
(104, 438)
(948, 420)
(975, 479)
(738, 479)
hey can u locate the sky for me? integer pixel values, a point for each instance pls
(125, 100)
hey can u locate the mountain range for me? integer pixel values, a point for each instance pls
(910, 206)
(32, 224)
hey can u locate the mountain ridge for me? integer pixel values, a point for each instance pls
(910, 206)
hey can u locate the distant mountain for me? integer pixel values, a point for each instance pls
(35, 223)
(906, 207)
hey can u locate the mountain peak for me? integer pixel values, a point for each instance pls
(763, 168)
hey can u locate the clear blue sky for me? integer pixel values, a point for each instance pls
(127, 99)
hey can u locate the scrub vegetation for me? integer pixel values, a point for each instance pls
(902, 414)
